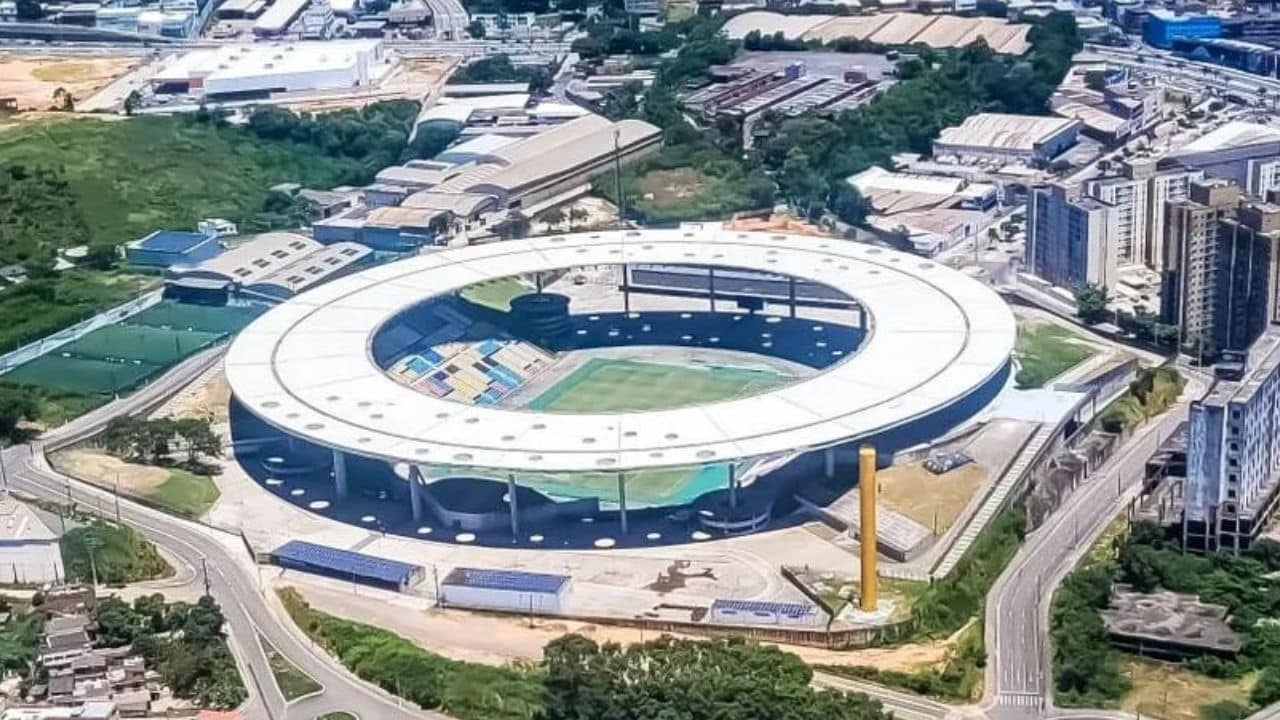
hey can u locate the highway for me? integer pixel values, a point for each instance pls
(233, 578)
(1224, 79)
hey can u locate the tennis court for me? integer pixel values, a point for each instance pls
(80, 375)
(602, 385)
(153, 345)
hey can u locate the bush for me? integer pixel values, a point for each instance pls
(118, 554)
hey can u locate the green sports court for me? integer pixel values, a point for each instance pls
(604, 385)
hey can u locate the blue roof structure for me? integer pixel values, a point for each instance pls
(784, 609)
(173, 241)
(512, 580)
(345, 563)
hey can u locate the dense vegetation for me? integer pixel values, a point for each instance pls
(181, 641)
(580, 680)
(19, 638)
(1152, 392)
(114, 554)
(371, 137)
(727, 679)
(16, 405)
(499, 69)
(812, 156)
(1086, 668)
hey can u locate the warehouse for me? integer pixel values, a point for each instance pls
(752, 612)
(347, 565)
(164, 248)
(278, 17)
(270, 267)
(29, 551)
(1006, 138)
(511, 590)
(260, 69)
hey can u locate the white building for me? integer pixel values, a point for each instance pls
(278, 17)
(29, 552)
(510, 590)
(1138, 198)
(1008, 138)
(317, 21)
(1248, 154)
(276, 67)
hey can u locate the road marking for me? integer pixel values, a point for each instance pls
(1019, 699)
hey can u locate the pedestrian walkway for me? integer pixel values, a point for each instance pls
(995, 500)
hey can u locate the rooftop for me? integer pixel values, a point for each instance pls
(1003, 131)
(264, 59)
(513, 580)
(170, 241)
(20, 523)
(1234, 135)
(1171, 618)
(345, 561)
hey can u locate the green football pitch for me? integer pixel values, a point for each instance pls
(603, 386)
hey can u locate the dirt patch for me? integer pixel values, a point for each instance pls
(32, 80)
(497, 640)
(777, 223)
(99, 468)
(664, 186)
(211, 400)
(927, 498)
(1171, 692)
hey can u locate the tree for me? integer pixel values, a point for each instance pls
(551, 217)
(1095, 80)
(577, 216)
(132, 101)
(63, 100)
(30, 10)
(102, 255)
(16, 405)
(1091, 303)
(476, 29)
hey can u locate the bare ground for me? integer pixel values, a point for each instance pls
(32, 80)
(101, 469)
(924, 497)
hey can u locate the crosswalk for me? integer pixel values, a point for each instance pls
(1018, 699)
(995, 500)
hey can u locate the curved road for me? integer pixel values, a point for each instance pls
(233, 579)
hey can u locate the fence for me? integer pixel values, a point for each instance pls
(49, 343)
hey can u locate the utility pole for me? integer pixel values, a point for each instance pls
(204, 570)
(617, 174)
(117, 493)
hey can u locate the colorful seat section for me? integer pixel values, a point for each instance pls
(480, 372)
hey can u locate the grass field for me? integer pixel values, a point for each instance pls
(496, 294)
(293, 683)
(1171, 692)
(185, 493)
(1045, 351)
(630, 386)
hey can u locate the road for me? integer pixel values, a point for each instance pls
(1222, 78)
(232, 575)
(1018, 664)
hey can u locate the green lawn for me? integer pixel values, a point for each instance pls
(185, 493)
(630, 386)
(1046, 351)
(293, 683)
(497, 294)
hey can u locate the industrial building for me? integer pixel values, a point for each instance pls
(891, 28)
(1070, 237)
(1164, 26)
(278, 16)
(1247, 154)
(260, 69)
(999, 137)
(163, 248)
(507, 590)
(1233, 454)
(347, 565)
(930, 213)
(271, 267)
(29, 551)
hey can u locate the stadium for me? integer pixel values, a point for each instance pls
(608, 388)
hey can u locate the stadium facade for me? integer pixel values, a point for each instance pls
(393, 372)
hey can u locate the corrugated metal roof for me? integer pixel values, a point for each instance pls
(511, 580)
(346, 562)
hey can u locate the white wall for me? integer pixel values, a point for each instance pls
(31, 563)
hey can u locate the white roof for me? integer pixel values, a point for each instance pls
(890, 28)
(18, 523)
(1232, 136)
(877, 178)
(305, 366)
(277, 17)
(265, 59)
(1006, 132)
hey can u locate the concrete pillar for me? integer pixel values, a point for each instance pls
(733, 485)
(537, 281)
(711, 286)
(514, 504)
(339, 475)
(867, 526)
(415, 492)
(829, 461)
(791, 295)
(622, 501)
(626, 291)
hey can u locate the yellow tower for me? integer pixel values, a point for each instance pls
(867, 506)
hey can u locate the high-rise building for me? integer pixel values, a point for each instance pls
(1249, 249)
(1070, 237)
(1139, 196)
(1233, 454)
(1189, 288)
